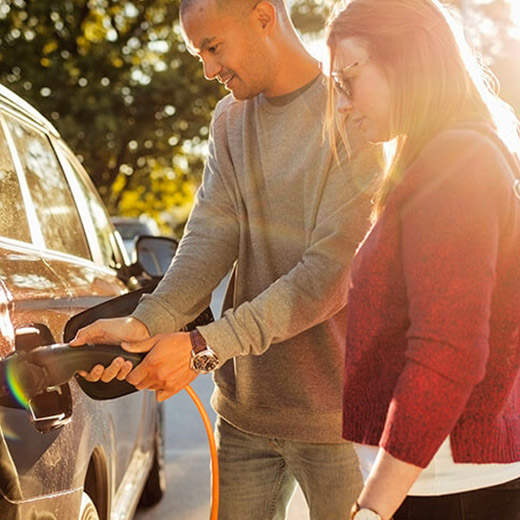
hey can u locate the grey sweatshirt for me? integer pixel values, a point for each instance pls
(275, 202)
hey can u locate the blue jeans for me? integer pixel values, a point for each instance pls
(258, 476)
(500, 502)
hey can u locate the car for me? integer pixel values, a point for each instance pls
(78, 450)
(130, 228)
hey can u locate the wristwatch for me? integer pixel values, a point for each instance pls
(363, 513)
(203, 357)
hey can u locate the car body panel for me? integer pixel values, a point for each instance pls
(106, 445)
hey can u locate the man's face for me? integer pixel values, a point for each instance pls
(230, 47)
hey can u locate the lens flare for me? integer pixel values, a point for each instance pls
(15, 387)
(6, 428)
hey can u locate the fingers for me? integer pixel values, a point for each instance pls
(112, 370)
(80, 339)
(112, 331)
(174, 387)
(144, 376)
(148, 372)
(125, 370)
(165, 368)
(139, 375)
(94, 375)
(162, 395)
(119, 368)
(97, 332)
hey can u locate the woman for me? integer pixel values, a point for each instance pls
(432, 382)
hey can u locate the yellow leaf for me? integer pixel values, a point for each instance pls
(117, 62)
(50, 47)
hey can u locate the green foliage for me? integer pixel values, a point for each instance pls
(115, 79)
(309, 16)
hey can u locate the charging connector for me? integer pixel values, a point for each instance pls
(37, 370)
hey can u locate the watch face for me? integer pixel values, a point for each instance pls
(366, 514)
(204, 362)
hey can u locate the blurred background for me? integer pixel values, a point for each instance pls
(116, 80)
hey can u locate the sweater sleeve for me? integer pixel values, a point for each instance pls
(316, 287)
(450, 233)
(205, 254)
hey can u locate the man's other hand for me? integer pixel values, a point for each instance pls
(112, 331)
(166, 368)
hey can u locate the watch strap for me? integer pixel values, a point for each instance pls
(198, 343)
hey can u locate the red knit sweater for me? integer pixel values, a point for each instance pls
(433, 342)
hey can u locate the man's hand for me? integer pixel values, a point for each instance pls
(112, 331)
(166, 368)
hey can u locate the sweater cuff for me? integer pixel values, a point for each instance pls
(222, 339)
(155, 316)
(422, 413)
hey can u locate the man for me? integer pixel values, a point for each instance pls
(276, 204)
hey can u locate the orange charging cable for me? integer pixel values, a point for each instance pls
(213, 451)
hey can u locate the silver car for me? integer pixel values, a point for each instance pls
(78, 450)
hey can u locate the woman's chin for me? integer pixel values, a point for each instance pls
(374, 136)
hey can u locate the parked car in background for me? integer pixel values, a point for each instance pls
(131, 228)
(64, 455)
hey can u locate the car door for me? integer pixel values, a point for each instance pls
(133, 431)
(10, 491)
(55, 271)
(27, 287)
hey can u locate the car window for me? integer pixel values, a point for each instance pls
(131, 231)
(58, 216)
(100, 218)
(13, 220)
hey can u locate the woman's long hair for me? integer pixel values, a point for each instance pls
(435, 79)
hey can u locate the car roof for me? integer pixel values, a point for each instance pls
(16, 103)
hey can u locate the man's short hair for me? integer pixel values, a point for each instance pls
(238, 6)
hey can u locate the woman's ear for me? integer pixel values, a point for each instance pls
(265, 14)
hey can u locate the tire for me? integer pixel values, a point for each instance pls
(155, 486)
(88, 510)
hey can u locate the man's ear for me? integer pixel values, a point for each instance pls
(265, 14)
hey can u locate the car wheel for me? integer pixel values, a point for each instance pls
(88, 509)
(155, 486)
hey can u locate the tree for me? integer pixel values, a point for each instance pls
(491, 28)
(115, 78)
(309, 16)
(117, 82)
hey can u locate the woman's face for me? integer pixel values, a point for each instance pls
(363, 90)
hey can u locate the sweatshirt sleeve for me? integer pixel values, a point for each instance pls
(450, 233)
(205, 254)
(316, 287)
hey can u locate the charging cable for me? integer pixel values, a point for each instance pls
(31, 373)
(213, 451)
